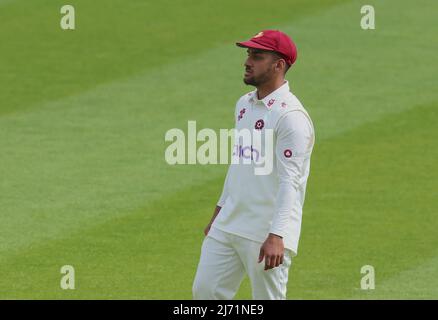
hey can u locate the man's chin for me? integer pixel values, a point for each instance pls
(249, 81)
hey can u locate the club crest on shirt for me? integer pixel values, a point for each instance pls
(241, 112)
(287, 153)
(259, 124)
(283, 104)
(271, 102)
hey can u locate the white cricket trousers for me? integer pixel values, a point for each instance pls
(225, 258)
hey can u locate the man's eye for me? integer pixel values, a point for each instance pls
(255, 56)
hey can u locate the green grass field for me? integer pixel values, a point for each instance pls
(83, 114)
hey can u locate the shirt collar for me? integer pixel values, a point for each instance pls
(271, 98)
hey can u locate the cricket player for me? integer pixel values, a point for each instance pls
(256, 225)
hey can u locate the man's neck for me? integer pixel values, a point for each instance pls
(267, 88)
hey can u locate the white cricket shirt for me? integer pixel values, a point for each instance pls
(255, 205)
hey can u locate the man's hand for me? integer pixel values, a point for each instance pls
(273, 251)
(216, 212)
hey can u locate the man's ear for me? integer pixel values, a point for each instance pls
(280, 64)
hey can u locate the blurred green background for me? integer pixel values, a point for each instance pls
(83, 114)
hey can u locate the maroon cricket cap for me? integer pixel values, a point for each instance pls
(273, 40)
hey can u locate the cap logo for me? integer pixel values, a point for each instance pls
(258, 35)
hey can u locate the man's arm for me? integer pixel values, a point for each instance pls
(216, 212)
(219, 204)
(224, 194)
(294, 144)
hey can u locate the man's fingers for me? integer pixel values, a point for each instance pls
(273, 261)
(279, 258)
(267, 262)
(261, 255)
(270, 262)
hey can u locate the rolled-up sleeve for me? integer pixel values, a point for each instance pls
(295, 139)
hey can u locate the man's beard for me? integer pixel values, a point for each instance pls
(259, 80)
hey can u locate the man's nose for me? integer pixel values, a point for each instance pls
(247, 63)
